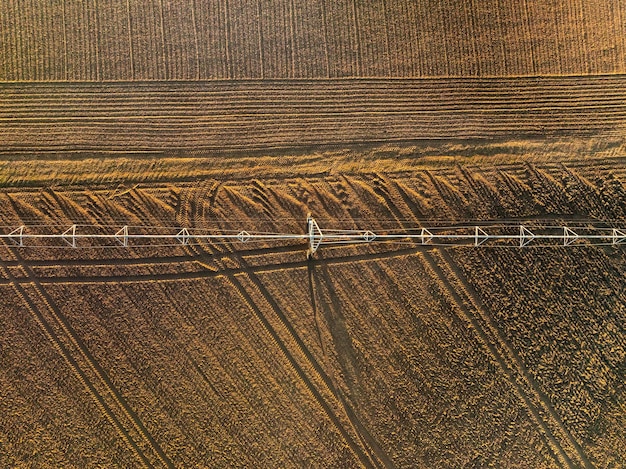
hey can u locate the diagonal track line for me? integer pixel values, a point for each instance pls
(499, 346)
(86, 355)
(73, 364)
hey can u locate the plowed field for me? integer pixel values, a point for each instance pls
(286, 114)
(373, 115)
(69, 40)
(387, 355)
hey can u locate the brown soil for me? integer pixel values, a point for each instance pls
(372, 114)
(388, 355)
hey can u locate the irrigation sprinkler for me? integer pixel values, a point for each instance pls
(501, 234)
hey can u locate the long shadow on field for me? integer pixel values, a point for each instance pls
(333, 315)
(346, 356)
(312, 291)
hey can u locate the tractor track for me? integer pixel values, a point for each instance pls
(359, 454)
(369, 442)
(191, 209)
(225, 271)
(368, 460)
(475, 311)
(156, 260)
(63, 322)
(72, 362)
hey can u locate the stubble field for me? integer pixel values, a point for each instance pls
(376, 356)
(378, 115)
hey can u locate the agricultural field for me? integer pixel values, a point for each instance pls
(145, 40)
(380, 115)
(269, 114)
(383, 355)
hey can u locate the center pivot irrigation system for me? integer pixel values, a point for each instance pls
(503, 234)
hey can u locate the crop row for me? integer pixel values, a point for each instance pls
(221, 39)
(280, 114)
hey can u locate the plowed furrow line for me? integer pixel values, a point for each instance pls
(135, 106)
(309, 97)
(354, 447)
(58, 344)
(253, 115)
(255, 85)
(325, 134)
(511, 364)
(80, 348)
(58, 111)
(491, 344)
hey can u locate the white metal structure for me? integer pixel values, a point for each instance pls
(531, 233)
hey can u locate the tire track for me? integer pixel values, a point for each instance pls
(356, 450)
(244, 269)
(86, 355)
(340, 335)
(498, 345)
(57, 343)
(191, 209)
(371, 442)
(224, 271)
(469, 298)
(156, 260)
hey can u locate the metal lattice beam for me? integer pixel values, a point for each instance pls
(529, 234)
